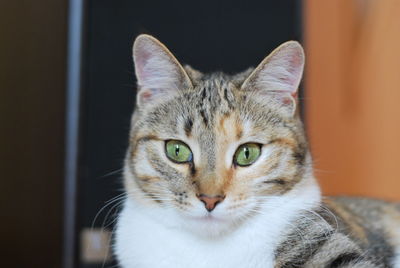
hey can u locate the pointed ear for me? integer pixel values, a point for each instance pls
(279, 75)
(159, 74)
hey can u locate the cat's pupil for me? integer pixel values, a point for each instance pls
(176, 150)
(246, 152)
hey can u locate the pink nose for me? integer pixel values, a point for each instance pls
(210, 202)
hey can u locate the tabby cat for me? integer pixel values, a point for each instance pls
(218, 174)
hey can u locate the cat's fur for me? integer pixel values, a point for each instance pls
(273, 214)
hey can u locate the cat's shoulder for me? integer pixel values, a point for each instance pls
(362, 207)
(368, 221)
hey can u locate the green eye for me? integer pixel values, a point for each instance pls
(247, 154)
(178, 152)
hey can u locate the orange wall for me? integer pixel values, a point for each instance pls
(353, 95)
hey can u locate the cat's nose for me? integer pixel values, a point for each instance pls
(210, 202)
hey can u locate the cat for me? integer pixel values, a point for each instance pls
(218, 173)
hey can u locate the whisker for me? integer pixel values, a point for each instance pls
(107, 204)
(112, 173)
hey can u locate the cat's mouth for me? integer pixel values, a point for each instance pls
(209, 218)
(210, 225)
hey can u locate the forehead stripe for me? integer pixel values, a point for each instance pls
(188, 126)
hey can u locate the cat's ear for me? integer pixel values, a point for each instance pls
(159, 74)
(278, 75)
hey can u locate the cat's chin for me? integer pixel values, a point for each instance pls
(209, 226)
(209, 219)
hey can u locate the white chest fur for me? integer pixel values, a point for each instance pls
(143, 241)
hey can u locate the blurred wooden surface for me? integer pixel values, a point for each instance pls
(352, 95)
(32, 89)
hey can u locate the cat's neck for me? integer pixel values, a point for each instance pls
(157, 229)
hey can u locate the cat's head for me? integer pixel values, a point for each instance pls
(211, 151)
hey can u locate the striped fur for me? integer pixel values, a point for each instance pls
(343, 232)
(272, 214)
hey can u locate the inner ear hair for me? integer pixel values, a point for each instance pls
(279, 74)
(159, 74)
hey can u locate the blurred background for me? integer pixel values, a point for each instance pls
(67, 93)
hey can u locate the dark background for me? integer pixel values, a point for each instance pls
(32, 104)
(208, 35)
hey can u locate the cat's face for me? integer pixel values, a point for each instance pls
(211, 150)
